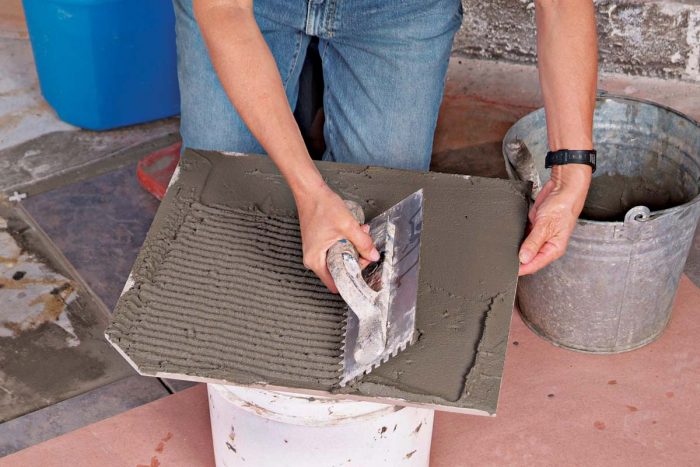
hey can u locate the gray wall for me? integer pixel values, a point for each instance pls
(647, 38)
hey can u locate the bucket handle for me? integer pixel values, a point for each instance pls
(637, 214)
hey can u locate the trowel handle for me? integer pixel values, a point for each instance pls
(342, 260)
(336, 252)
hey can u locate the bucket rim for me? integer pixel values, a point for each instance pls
(283, 406)
(601, 96)
(606, 95)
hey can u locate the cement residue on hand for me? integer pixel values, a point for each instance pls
(220, 293)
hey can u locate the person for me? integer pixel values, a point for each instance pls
(384, 66)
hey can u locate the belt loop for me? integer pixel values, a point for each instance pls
(311, 9)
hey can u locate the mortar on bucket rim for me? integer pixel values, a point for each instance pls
(613, 289)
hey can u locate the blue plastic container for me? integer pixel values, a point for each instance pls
(105, 63)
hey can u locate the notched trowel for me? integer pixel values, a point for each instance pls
(382, 299)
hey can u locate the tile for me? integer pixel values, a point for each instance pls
(220, 294)
(77, 412)
(99, 224)
(52, 344)
(560, 407)
(173, 431)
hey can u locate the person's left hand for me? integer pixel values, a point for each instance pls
(553, 216)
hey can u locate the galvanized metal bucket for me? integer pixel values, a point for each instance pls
(613, 289)
(692, 266)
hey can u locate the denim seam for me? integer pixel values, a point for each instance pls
(295, 57)
(328, 120)
(309, 18)
(323, 55)
(330, 18)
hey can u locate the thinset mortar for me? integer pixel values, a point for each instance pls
(219, 293)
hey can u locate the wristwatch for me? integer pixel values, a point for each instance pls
(569, 156)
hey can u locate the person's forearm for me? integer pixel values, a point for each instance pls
(568, 68)
(248, 73)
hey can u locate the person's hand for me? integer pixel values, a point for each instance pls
(324, 219)
(553, 216)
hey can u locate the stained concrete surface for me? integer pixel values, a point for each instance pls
(55, 159)
(62, 155)
(12, 23)
(76, 412)
(464, 298)
(99, 224)
(56, 351)
(23, 112)
(32, 292)
(24, 116)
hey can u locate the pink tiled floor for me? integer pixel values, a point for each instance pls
(557, 408)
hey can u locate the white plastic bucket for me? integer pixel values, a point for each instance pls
(265, 428)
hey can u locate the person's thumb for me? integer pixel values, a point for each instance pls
(537, 237)
(363, 243)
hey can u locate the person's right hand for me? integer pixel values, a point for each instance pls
(324, 219)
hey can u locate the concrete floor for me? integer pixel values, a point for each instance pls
(52, 344)
(557, 407)
(23, 113)
(39, 153)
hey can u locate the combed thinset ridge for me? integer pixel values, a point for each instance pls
(230, 293)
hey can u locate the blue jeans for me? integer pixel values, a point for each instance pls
(384, 65)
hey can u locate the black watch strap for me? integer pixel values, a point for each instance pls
(569, 156)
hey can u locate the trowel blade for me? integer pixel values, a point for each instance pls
(396, 234)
